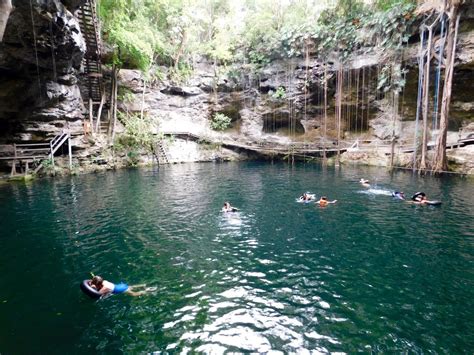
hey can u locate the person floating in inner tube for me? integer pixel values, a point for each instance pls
(105, 287)
(419, 197)
(323, 201)
(228, 208)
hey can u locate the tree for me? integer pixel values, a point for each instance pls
(440, 162)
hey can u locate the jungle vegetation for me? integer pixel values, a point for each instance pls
(176, 32)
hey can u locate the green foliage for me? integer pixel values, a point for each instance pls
(280, 93)
(173, 32)
(138, 135)
(128, 27)
(125, 94)
(133, 157)
(48, 166)
(389, 29)
(220, 122)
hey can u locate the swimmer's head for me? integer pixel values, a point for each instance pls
(97, 280)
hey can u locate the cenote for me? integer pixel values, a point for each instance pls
(367, 274)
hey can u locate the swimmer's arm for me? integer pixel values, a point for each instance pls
(105, 291)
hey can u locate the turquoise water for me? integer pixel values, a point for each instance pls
(368, 273)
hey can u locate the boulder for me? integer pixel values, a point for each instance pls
(182, 90)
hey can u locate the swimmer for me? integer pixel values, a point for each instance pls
(228, 208)
(420, 198)
(399, 194)
(365, 182)
(306, 197)
(323, 201)
(105, 287)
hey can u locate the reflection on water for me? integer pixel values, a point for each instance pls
(366, 274)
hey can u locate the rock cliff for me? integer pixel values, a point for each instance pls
(279, 105)
(40, 59)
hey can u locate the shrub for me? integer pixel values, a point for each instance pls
(220, 122)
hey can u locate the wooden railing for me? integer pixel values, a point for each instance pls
(34, 153)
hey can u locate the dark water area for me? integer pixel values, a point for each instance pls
(367, 274)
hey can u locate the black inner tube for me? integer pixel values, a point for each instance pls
(88, 290)
(418, 194)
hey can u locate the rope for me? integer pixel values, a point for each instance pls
(36, 50)
(418, 101)
(438, 73)
(306, 83)
(368, 98)
(357, 101)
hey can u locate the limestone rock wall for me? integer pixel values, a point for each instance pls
(40, 59)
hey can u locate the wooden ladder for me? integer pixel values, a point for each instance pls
(162, 155)
(93, 91)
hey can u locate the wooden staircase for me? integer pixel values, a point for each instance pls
(89, 25)
(92, 88)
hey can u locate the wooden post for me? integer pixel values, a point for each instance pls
(69, 151)
(52, 153)
(99, 113)
(91, 118)
(13, 172)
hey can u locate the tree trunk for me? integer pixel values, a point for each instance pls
(5, 9)
(325, 108)
(180, 51)
(396, 73)
(440, 162)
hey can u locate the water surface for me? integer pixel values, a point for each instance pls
(366, 274)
